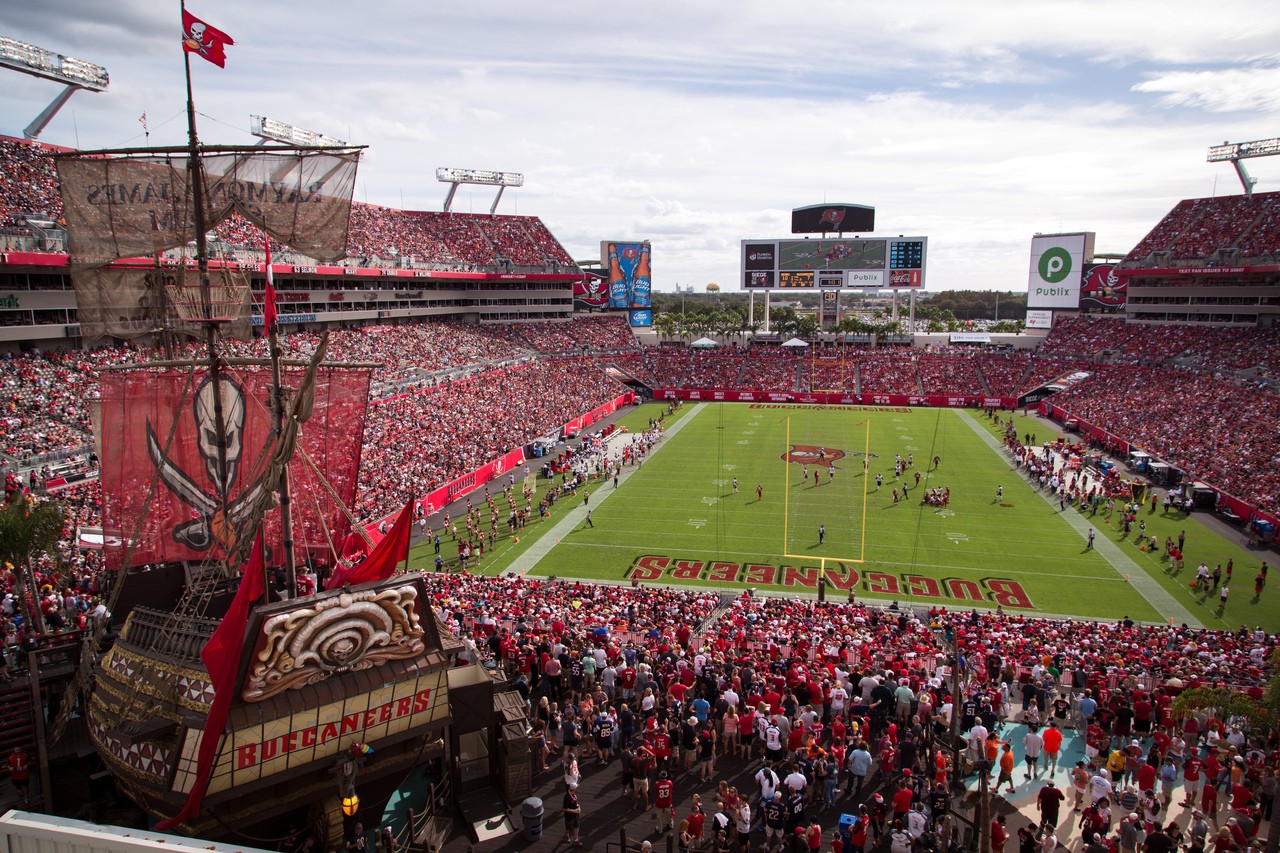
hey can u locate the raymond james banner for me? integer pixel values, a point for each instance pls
(127, 207)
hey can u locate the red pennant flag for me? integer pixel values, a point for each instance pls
(381, 562)
(221, 656)
(269, 296)
(200, 38)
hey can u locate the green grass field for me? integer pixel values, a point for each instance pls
(678, 520)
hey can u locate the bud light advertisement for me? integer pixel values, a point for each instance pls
(630, 274)
(641, 318)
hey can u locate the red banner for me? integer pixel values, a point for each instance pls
(836, 399)
(161, 480)
(468, 483)
(579, 424)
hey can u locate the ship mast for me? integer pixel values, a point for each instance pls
(196, 170)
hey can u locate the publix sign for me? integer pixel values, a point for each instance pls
(1057, 263)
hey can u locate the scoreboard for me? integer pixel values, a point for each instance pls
(829, 262)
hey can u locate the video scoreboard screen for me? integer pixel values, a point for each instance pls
(834, 263)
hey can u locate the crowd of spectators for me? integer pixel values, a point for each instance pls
(42, 405)
(603, 333)
(888, 371)
(420, 442)
(950, 375)
(28, 183)
(1196, 228)
(848, 706)
(1215, 431)
(377, 235)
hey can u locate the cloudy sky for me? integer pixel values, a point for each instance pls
(697, 124)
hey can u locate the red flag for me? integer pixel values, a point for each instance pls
(381, 562)
(221, 656)
(200, 38)
(269, 296)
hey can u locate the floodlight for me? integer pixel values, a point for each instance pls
(38, 62)
(457, 177)
(1234, 152)
(279, 131)
(479, 176)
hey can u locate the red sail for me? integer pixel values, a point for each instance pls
(160, 468)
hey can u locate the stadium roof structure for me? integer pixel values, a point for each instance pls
(48, 65)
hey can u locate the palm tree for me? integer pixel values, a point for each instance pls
(665, 324)
(27, 530)
(806, 327)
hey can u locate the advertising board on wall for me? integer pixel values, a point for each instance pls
(1057, 266)
(1037, 319)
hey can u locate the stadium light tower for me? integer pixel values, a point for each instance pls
(38, 62)
(457, 177)
(278, 131)
(1237, 151)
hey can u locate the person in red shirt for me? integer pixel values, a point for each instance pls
(1048, 801)
(20, 772)
(696, 819)
(1241, 796)
(664, 802)
(888, 759)
(1192, 779)
(1209, 801)
(814, 836)
(902, 801)
(998, 835)
(1052, 746)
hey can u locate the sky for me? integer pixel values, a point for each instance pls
(697, 124)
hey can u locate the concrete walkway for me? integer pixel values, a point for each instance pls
(1148, 587)
(573, 518)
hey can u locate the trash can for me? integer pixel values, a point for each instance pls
(531, 815)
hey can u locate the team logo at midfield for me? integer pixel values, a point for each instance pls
(808, 454)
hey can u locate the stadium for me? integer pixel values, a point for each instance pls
(699, 547)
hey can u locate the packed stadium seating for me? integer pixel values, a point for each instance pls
(1197, 228)
(29, 185)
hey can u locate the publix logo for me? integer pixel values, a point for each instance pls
(1054, 265)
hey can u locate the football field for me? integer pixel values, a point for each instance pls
(678, 519)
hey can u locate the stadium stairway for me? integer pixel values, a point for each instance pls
(18, 729)
(982, 377)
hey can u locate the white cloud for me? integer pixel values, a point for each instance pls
(1252, 88)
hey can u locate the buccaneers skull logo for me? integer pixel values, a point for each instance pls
(211, 525)
(808, 454)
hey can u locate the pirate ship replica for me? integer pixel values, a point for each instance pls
(228, 700)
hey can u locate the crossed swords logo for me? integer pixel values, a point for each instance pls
(212, 525)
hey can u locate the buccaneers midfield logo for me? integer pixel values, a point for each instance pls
(808, 454)
(211, 526)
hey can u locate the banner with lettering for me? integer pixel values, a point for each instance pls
(126, 207)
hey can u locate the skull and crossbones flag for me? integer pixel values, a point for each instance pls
(204, 40)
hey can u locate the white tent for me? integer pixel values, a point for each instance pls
(795, 342)
(704, 342)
